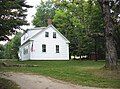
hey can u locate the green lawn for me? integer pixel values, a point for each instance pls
(86, 73)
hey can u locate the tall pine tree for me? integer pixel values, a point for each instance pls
(12, 16)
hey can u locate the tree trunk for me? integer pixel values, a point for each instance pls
(111, 53)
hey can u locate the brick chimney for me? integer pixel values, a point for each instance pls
(49, 21)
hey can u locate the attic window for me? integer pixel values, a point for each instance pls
(46, 34)
(54, 34)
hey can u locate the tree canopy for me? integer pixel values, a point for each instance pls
(44, 11)
(12, 47)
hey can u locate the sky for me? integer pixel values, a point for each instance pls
(31, 12)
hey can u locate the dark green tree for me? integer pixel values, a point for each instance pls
(12, 16)
(95, 28)
(12, 47)
(69, 19)
(1, 51)
(79, 21)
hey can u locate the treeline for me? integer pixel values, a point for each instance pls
(11, 48)
(81, 22)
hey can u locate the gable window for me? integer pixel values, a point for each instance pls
(46, 34)
(57, 48)
(43, 48)
(54, 34)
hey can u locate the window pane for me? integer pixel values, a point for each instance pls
(46, 34)
(25, 50)
(43, 48)
(57, 48)
(54, 34)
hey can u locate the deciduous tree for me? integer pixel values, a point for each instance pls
(111, 52)
(44, 11)
(12, 47)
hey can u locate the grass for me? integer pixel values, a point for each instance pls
(86, 73)
(7, 84)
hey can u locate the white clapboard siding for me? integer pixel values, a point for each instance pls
(35, 42)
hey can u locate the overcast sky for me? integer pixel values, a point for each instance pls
(31, 11)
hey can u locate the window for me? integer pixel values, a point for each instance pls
(46, 34)
(25, 50)
(43, 48)
(57, 48)
(54, 34)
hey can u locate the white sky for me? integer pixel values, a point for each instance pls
(31, 12)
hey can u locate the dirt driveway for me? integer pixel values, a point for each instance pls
(30, 81)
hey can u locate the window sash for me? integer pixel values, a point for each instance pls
(25, 51)
(46, 34)
(54, 34)
(43, 48)
(57, 48)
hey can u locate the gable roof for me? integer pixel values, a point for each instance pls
(60, 33)
(54, 29)
(42, 29)
(36, 28)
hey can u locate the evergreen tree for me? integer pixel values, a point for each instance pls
(12, 16)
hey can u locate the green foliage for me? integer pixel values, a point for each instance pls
(12, 47)
(78, 21)
(12, 16)
(1, 51)
(95, 26)
(44, 11)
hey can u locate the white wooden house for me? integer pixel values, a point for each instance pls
(44, 43)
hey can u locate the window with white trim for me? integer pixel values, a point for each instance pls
(25, 50)
(54, 34)
(43, 48)
(46, 34)
(57, 48)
